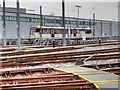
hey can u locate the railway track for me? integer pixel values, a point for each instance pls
(47, 79)
(39, 51)
(73, 51)
(60, 58)
(29, 77)
(90, 45)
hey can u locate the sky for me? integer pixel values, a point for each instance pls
(104, 9)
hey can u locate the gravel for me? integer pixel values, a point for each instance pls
(35, 67)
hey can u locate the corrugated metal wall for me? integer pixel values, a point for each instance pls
(27, 20)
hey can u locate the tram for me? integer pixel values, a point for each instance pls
(37, 32)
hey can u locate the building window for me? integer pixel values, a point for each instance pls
(10, 18)
(24, 19)
(52, 21)
(7, 18)
(35, 20)
(57, 21)
(47, 21)
(71, 22)
(86, 23)
(80, 22)
(68, 22)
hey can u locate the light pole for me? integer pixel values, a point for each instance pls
(78, 14)
(119, 19)
(63, 22)
(31, 12)
(118, 29)
(94, 24)
(110, 28)
(94, 19)
(101, 33)
(18, 27)
(41, 24)
(4, 24)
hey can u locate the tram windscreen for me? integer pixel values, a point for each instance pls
(37, 30)
(34, 30)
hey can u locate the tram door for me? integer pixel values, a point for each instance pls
(52, 32)
(82, 33)
(69, 32)
(75, 32)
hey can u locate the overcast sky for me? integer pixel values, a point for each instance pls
(104, 9)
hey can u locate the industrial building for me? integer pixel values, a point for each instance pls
(102, 27)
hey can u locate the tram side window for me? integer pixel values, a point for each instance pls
(88, 31)
(37, 30)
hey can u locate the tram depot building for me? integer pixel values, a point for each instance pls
(102, 27)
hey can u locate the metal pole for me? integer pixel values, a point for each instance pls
(90, 24)
(4, 24)
(119, 19)
(83, 23)
(119, 29)
(93, 24)
(110, 28)
(78, 14)
(101, 28)
(41, 23)
(78, 17)
(63, 22)
(18, 28)
(31, 11)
